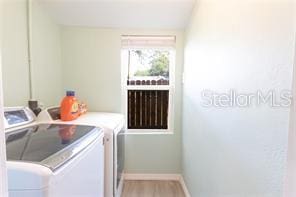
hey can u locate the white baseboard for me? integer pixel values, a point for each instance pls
(152, 177)
(159, 177)
(183, 184)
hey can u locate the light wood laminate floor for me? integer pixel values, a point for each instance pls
(152, 189)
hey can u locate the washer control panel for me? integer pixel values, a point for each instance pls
(17, 116)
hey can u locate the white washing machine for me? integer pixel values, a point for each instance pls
(114, 132)
(51, 159)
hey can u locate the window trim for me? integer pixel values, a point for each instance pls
(170, 87)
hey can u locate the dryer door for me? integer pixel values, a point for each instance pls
(119, 157)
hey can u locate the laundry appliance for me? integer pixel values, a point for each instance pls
(114, 141)
(52, 159)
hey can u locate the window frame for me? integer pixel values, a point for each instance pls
(170, 88)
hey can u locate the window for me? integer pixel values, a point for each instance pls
(148, 73)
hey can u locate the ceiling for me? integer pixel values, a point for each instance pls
(152, 14)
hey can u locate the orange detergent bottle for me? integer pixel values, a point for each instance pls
(69, 107)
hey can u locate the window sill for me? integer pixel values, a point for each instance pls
(148, 132)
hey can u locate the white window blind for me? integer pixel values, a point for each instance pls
(146, 42)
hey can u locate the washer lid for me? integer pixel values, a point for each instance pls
(49, 144)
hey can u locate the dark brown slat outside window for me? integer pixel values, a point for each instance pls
(148, 109)
(148, 82)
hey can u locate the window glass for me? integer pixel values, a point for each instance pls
(149, 66)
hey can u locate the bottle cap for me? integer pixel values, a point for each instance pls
(70, 93)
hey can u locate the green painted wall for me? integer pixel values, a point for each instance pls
(15, 73)
(46, 57)
(246, 46)
(45, 54)
(91, 66)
